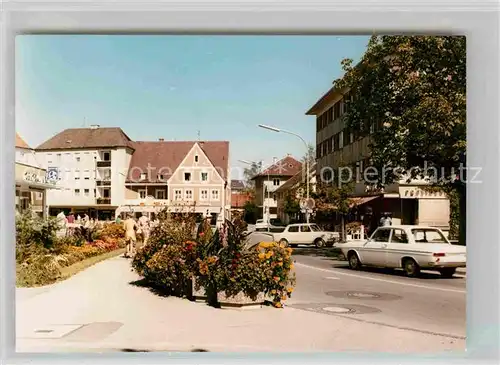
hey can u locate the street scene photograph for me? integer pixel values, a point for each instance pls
(241, 193)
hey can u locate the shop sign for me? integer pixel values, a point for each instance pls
(34, 177)
(417, 193)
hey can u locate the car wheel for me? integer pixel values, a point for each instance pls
(448, 272)
(353, 259)
(320, 243)
(411, 268)
(283, 242)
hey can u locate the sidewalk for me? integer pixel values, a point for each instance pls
(120, 316)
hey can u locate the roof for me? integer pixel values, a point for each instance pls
(237, 185)
(164, 157)
(325, 99)
(81, 138)
(287, 166)
(296, 179)
(20, 143)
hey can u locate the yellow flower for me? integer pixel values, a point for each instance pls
(282, 245)
(278, 305)
(283, 297)
(273, 291)
(280, 264)
(289, 250)
(262, 255)
(289, 290)
(291, 267)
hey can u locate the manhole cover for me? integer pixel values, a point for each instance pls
(337, 309)
(362, 295)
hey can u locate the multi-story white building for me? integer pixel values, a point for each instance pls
(31, 180)
(269, 180)
(101, 171)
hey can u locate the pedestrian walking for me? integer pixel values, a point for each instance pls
(130, 226)
(144, 225)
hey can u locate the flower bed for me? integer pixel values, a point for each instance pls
(41, 255)
(215, 265)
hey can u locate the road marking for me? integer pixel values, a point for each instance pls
(383, 280)
(332, 278)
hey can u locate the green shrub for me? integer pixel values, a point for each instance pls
(34, 230)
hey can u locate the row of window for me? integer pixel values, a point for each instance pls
(335, 112)
(105, 156)
(187, 194)
(86, 192)
(340, 140)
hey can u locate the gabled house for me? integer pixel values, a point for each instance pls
(184, 176)
(296, 187)
(269, 180)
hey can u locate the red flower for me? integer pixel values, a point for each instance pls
(202, 234)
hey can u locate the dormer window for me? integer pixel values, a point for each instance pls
(143, 176)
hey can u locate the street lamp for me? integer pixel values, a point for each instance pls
(274, 129)
(264, 189)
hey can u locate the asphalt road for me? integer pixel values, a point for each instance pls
(428, 304)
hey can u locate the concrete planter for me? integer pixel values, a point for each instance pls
(237, 301)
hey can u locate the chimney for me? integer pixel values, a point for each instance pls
(94, 126)
(161, 139)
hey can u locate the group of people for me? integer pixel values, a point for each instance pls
(68, 223)
(133, 228)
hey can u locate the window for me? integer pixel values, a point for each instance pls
(78, 159)
(143, 176)
(177, 194)
(187, 176)
(276, 182)
(77, 174)
(160, 177)
(188, 194)
(142, 193)
(86, 174)
(346, 134)
(77, 192)
(160, 194)
(399, 236)
(274, 197)
(86, 192)
(196, 158)
(204, 176)
(106, 156)
(425, 235)
(293, 229)
(106, 193)
(381, 235)
(305, 229)
(204, 195)
(215, 194)
(95, 193)
(341, 140)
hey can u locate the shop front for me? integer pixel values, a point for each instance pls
(31, 189)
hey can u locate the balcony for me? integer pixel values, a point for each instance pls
(104, 163)
(103, 201)
(103, 182)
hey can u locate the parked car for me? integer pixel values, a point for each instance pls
(261, 223)
(412, 248)
(306, 234)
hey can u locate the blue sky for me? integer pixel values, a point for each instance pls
(174, 86)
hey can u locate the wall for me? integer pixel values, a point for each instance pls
(434, 212)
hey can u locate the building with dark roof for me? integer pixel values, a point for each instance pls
(101, 171)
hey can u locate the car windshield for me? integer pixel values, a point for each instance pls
(315, 228)
(424, 235)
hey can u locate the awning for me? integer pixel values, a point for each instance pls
(36, 185)
(362, 200)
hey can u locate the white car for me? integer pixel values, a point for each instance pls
(306, 234)
(409, 247)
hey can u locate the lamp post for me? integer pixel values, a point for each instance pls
(274, 129)
(264, 189)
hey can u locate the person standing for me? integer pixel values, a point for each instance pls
(145, 228)
(385, 220)
(130, 227)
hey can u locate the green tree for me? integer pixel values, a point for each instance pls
(251, 212)
(409, 95)
(250, 172)
(336, 196)
(291, 204)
